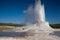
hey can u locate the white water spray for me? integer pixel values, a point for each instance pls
(39, 10)
(40, 17)
(42, 24)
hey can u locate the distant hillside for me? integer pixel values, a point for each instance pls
(55, 25)
(19, 25)
(11, 24)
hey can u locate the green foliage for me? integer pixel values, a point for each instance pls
(55, 25)
(11, 24)
(19, 25)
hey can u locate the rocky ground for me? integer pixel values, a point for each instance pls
(29, 38)
(40, 36)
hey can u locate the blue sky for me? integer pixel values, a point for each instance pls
(11, 11)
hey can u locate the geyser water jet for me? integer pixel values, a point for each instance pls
(42, 24)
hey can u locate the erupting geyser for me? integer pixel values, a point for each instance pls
(41, 29)
(41, 24)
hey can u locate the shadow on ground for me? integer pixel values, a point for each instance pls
(13, 34)
(23, 34)
(56, 33)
